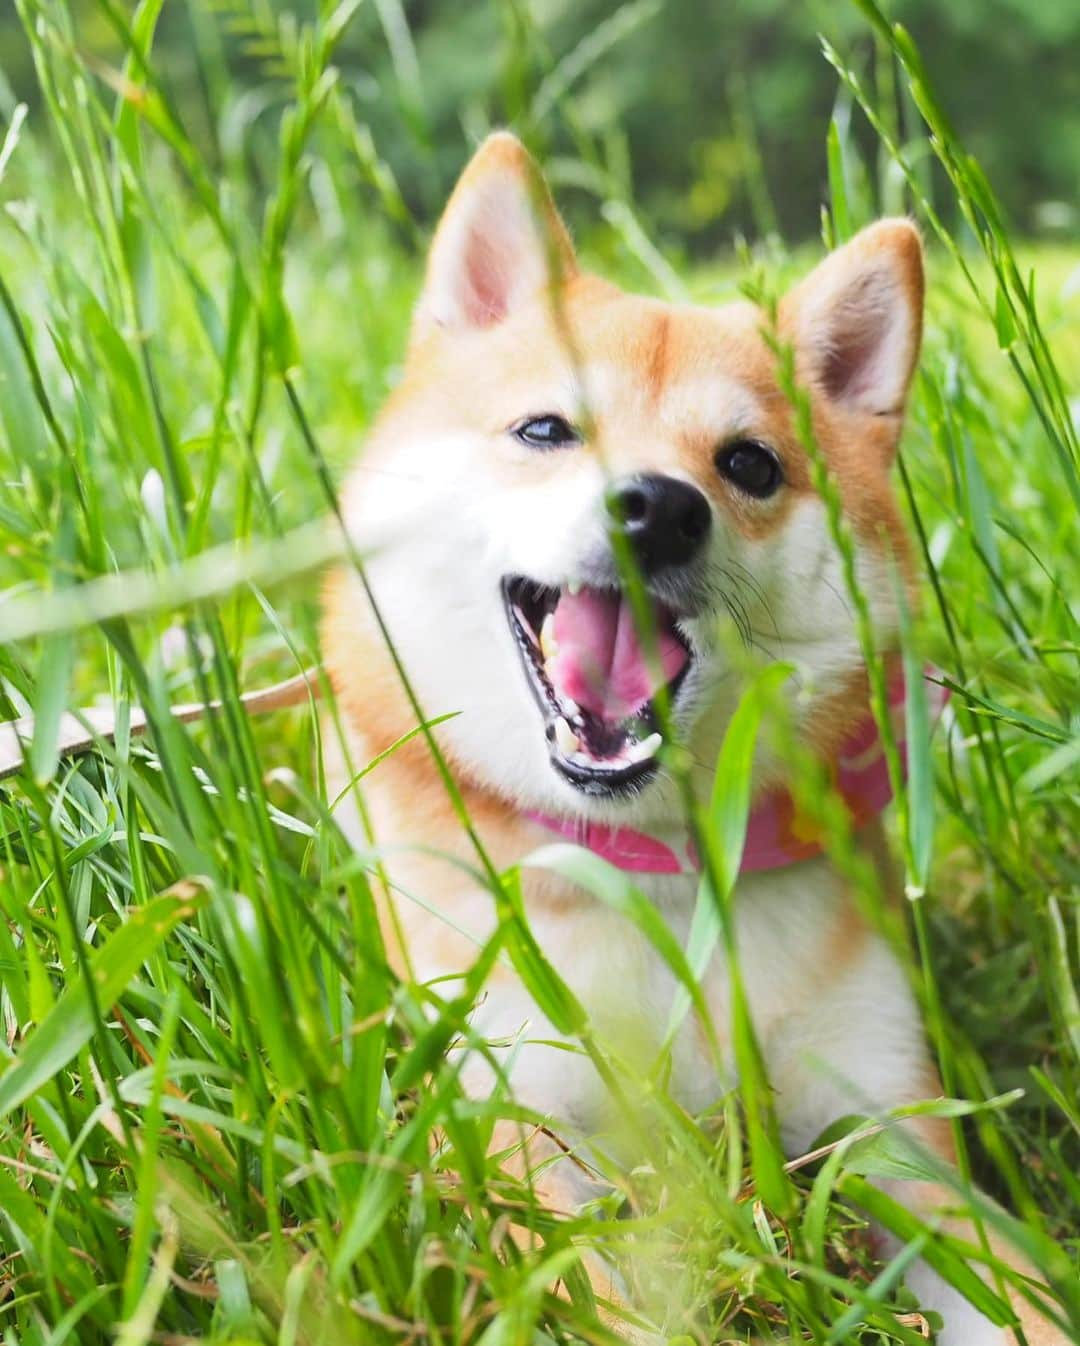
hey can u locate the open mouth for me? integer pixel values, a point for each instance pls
(592, 680)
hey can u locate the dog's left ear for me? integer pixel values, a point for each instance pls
(500, 242)
(856, 321)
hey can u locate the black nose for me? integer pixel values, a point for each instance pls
(666, 520)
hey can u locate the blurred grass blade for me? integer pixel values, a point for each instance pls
(729, 805)
(729, 813)
(57, 661)
(1062, 952)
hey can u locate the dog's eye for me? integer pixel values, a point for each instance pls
(546, 432)
(752, 467)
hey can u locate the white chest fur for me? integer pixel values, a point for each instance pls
(816, 991)
(829, 1003)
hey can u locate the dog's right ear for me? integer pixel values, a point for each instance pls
(857, 318)
(499, 243)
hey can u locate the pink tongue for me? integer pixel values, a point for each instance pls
(599, 661)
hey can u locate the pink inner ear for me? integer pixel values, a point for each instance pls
(849, 363)
(863, 362)
(486, 282)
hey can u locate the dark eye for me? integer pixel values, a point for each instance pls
(752, 467)
(546, 432)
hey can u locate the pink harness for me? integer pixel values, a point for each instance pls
(777, 834)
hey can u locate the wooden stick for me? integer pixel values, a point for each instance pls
(80, 732)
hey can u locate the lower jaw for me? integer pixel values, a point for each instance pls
(619, 776)
(606, 782)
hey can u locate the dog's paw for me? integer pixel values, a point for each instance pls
(614, 1304)
(1037, 1330)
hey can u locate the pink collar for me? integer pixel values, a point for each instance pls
(777, 835)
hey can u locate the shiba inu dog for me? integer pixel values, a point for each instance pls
(540, 410)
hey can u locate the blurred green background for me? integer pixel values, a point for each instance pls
(710, 117)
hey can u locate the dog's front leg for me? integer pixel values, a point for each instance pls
(860, 1049)
(936, 1205)
(562, 1184)
(549, 1076)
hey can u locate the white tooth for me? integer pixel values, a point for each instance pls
(573, 588)
(548, 646)
(648, 747)
(565, 737)
(523, 622)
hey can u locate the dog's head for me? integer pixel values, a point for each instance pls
(540, 410)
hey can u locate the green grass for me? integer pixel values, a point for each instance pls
(222, 1117)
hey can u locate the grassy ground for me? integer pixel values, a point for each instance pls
(222, 1117)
